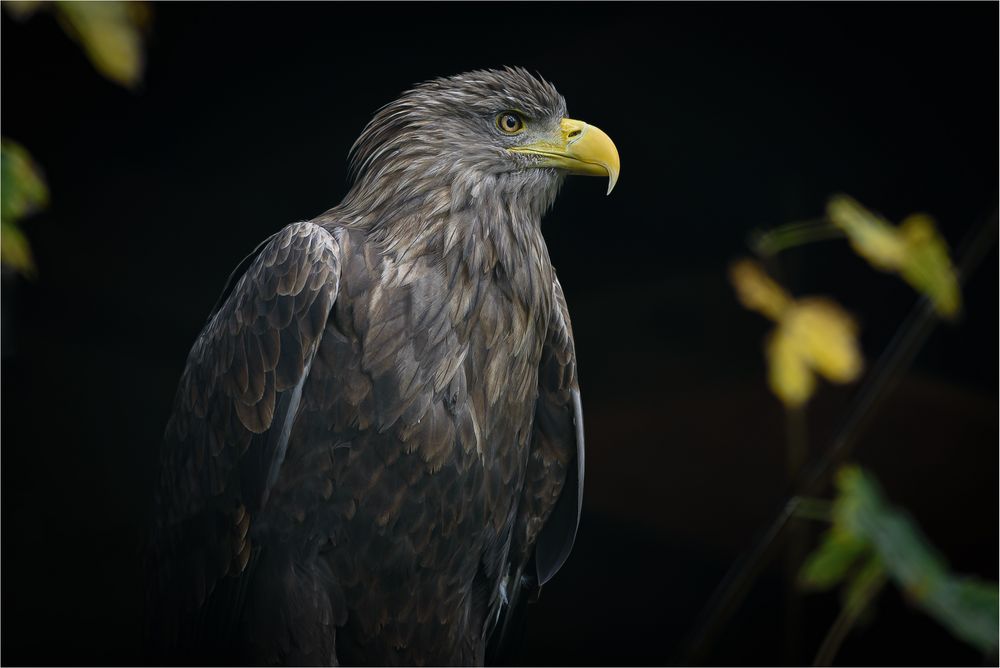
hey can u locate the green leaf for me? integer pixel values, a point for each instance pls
(829, 564)
(22, 193)
(15, 251)
(22, 188)
(863, 512)
(863, 585)
(967, 607)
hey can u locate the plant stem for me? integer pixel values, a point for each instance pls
(846, 620)
(796, 454)
(811, 508)
(772, 242)
(896, 358)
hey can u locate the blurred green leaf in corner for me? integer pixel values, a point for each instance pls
(871, 541)
(112, 33)
(22, 193)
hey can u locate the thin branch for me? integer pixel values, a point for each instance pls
(797, 544)
(846, 619)
(899, 354)
(772, 242)
(811, 508)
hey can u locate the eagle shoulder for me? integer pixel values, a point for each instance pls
(233, 411)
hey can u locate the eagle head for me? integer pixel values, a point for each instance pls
(496, 130)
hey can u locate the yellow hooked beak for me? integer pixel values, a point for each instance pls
(579, 149)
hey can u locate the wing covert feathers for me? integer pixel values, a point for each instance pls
(232, 415)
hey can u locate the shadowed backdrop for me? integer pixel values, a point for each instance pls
(728, 118)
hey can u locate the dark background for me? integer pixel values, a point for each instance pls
(727, 118)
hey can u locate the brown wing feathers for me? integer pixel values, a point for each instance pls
(232, 414)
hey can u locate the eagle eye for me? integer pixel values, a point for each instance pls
(510, 122)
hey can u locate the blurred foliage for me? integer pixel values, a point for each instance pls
(871, 541)
(813, 336)
(111, 33)
(22, 193)
(914, 250)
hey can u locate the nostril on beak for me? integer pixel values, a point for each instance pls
(574, 134)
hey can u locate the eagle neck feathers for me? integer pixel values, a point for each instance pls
(485, 225)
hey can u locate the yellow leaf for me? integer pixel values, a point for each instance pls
(756, 290)
(814, 335)
(110, 33)
(15, 252)
(788, 373)
(826, 337)
(872, 237)
(928, 267)
(914, 250)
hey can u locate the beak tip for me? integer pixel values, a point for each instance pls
(612, 180)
